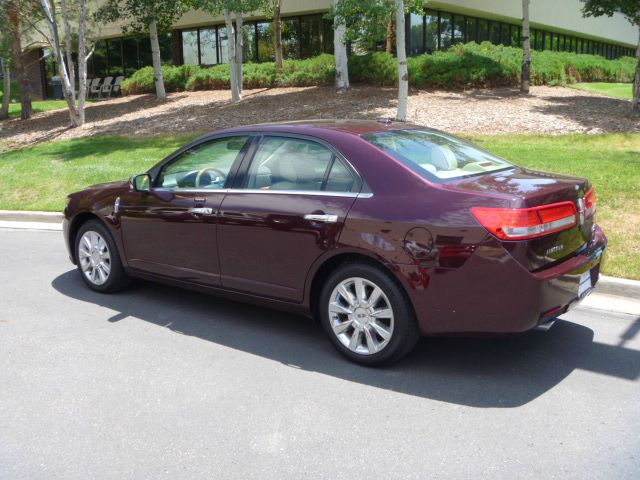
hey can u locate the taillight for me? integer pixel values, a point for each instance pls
(526, 223)
(590, 200)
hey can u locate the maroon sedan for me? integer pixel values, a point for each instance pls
(382, 231)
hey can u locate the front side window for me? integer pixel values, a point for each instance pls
(436, 156)
(206, 165)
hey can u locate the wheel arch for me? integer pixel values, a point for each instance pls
(74, 226)
(329, 265)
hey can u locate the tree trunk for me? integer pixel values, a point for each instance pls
(390, 31)
(68, 47)
(403, 73)
(340, 52)
(6, 91)
(161, 94)
(82, 60)
(636, 83)
(277, 34)
(526, 46)
(18, 60)
(239, 52)
(49, 10)
(231, 53)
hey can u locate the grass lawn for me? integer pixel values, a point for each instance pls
(38, 106)
(39, 178)
(623, 91)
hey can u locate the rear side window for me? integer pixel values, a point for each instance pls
(436, 156)
(282, 163)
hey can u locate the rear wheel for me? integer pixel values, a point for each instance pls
(98, 260)
(367, 315)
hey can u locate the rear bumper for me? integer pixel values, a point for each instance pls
(492, 293)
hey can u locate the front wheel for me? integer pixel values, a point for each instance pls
(367, 315)
(98, 259)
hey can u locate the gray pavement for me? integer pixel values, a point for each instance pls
(157, 382)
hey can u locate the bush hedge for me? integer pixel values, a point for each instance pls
(463, 65)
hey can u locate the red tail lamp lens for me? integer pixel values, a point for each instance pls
(526, 223)
(590, 200)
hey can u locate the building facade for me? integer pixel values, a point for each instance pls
(200, 39)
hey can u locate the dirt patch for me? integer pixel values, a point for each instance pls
(547, 110)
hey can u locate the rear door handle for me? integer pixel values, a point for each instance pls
(321, 218)
(201, 211)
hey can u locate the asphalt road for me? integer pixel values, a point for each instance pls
(161, 383)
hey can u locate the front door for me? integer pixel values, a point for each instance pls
(289, 210)
(170, 230)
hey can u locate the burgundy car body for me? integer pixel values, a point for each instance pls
(259, 247)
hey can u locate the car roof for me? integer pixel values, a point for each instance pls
(316, 127)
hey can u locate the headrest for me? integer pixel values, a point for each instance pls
(443, 158)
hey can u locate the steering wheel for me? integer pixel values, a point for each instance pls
(221, 176)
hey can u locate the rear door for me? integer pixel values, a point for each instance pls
(288, 209)
(170, 230)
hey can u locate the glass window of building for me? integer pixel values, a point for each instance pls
(494, 32)
(249, 53)
(208, 46)
(190, 47)
(100, 59)
(166, 50)
(458, 28)
(144, 51)
(130, 51)
(505, 34)
(471, 30)
(416, 36)
(311, 32)
(115, 57)
(223, 50)
(446, 30)
(290, 38)
(515, 36)
(265, 42)
(431, 31)
(483, 30)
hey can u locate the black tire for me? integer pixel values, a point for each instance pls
(117, 279)
(405, 333)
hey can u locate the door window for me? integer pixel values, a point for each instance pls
(291, 164)
(206, 165)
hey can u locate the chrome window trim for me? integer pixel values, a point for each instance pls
(321, 193)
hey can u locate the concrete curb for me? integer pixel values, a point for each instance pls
(620, 287)
(43, 217)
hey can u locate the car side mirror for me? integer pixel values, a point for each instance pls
(140, 183)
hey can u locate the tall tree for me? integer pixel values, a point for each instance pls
(403, 73)
(150, 15)
(340, 48)
(525, 78)
(631, 10)
(16, 29)
(233, 11)
(64, 59)
(5, 69)
(6, 88)
(273, 10)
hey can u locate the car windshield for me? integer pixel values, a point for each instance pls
(436, 156)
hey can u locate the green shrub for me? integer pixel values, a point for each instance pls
(463, 65)
(488, 65)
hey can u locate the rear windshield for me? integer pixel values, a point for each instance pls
(436, 156)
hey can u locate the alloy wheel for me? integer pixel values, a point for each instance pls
(361, 315)
(94, 257)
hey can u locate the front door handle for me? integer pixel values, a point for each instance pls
(201, 211)
(321, 218)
